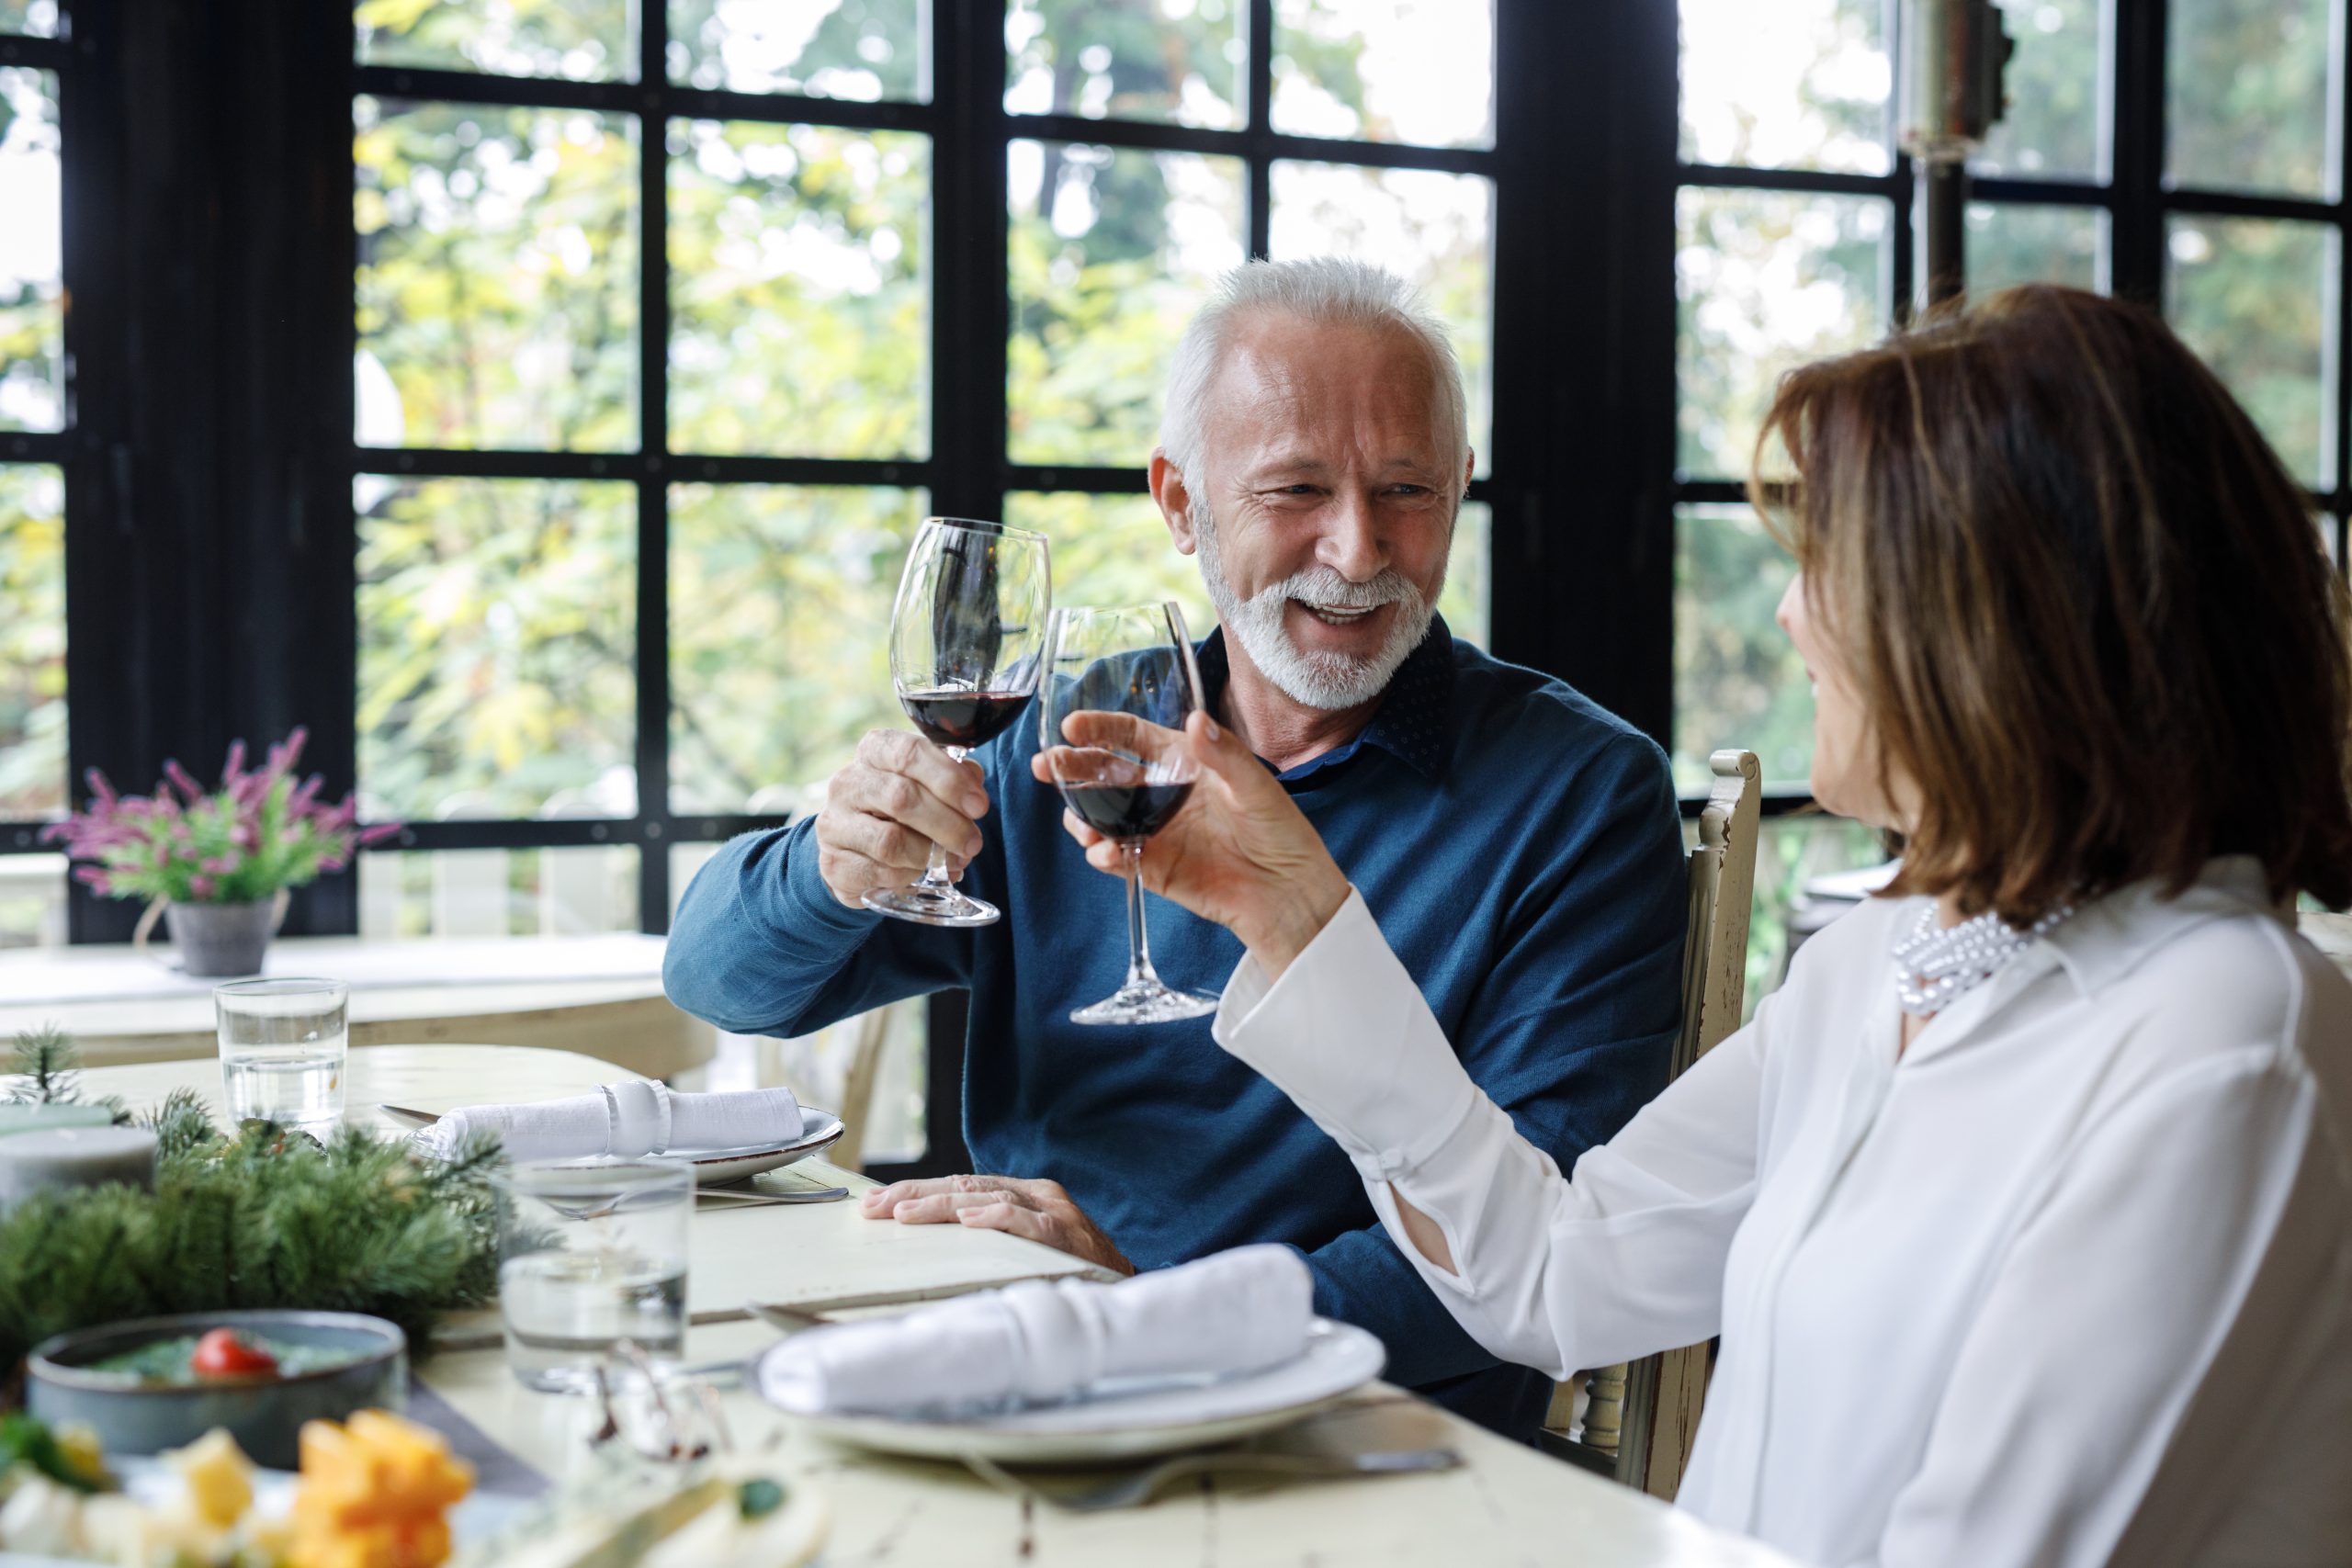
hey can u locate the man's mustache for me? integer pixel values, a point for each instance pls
(1321, 585)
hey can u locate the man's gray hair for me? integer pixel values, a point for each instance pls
(1323, 288)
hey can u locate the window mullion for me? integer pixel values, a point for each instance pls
(653, 489)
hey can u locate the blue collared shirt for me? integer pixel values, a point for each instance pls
(1521, 851)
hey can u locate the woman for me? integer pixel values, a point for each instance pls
(2022, 1208)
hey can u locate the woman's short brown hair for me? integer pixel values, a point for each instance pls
(2084, 608)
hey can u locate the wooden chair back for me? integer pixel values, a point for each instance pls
(1640, 1418)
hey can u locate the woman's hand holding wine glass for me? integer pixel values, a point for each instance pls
(1237, 850)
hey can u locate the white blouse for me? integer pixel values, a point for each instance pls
(2069, 1283)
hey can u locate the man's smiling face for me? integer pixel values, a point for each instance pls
(1329, 502)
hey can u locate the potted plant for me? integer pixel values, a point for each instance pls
(219, 862)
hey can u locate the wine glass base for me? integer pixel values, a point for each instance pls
(1147, 1001)
(926, 906)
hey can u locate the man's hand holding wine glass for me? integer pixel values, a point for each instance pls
(883, 812)
(1239, 851)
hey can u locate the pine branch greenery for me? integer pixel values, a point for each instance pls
(263, 1218)
(43, 1063)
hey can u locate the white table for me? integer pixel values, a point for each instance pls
(1507, 1504)
(601, 994)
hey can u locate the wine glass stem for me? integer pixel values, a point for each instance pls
(935, 871)
(1139, 970)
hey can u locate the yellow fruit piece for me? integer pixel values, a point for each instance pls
(218, 1475)
(373, 1495)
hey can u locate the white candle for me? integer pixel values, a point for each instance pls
(75, 1157)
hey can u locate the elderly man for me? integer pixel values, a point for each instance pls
(1517, 845)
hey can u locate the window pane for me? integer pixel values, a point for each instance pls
(1738, 679)
(583, 39)
(459, 893)
(32, 289)
(2010, 242)
(779, 626)
(2249, 83)
(799, 321)
(2257, 300)
(37, 17)
(1767, 281)
(1112, 550)
(496, 647)
(32, 900)
(2055, 82)
(1414, 71)
(1112, 252)
(860, 49)
(1467, 576)
(1180, 60)
(33, 641)
(498, 254)
(1435, 228)
(1793, 84)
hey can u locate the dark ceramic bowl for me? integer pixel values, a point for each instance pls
(265, 1417)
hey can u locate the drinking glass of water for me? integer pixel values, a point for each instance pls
(283, 1044)
(590, 1253)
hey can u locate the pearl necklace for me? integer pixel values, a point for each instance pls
(1934, 965)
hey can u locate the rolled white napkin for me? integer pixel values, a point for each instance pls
(1036, 1343)
(624, 1120)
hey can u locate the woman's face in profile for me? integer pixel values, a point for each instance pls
(1845, 768)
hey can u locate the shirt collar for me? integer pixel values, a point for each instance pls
(2105, 939)
(1414, 721)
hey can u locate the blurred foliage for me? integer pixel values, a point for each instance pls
(799, 315)
(32, 302)
(497, 643)
(2248, 94)
(33, 641)
(2052, 128)
(2020, 243)
(583, 39)
(1737, 680)
(1766, 281)
(1794, 84)
(497, 284)
(37, 18)
(1111, 253)
(2253, 297)
(1367, 69)
(1127, 59)
(861, 50)
(779, 620)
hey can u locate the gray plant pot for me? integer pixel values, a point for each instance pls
(217, 940)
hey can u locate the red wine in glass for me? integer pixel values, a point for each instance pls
(963, 718)
(966, 642)
(1125, 811)
(1120, 684)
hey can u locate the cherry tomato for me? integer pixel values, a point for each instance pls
(222, 1354)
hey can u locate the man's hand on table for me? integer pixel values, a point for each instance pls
(1038, 1209)
(886, 809)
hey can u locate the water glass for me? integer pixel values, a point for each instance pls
(590, 1253)
(283, 1045)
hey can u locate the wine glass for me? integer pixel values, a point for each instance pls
(1120, 683)
(968, 637)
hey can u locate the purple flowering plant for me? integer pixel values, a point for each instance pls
(261, 830)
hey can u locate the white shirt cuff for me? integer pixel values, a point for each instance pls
(1347, 1035)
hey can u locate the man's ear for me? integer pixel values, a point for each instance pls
(1174, 501)
(1469, 468)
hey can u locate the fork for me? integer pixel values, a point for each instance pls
(1132, 1491)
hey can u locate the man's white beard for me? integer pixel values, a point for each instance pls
(1326, 679)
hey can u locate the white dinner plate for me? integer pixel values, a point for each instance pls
(1128, 1422)
(716, 1167)
(713, 1167)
